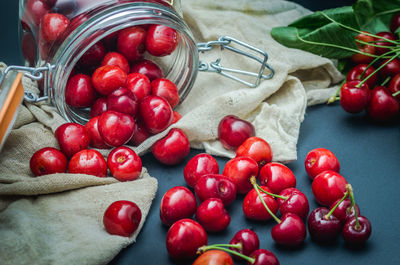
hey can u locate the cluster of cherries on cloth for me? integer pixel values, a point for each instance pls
(373, 84)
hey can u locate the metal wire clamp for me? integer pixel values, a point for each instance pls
(216, 67)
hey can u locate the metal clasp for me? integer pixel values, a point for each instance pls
(216, 67)
(32, 73)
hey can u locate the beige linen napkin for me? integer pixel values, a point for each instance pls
(57, 219)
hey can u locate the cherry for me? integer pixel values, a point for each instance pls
(72, 138)
(359, 58)
(323, 228)
(140, 134)
(263, 257)
(392, 68)
(344, 210)
(122, 218)
(156, 113)
(67, 8)
(296, 202)
(233, 131)
(88, 161)
(52, 25)
(28, 47)
(199, 165)
(173, 148)
(394, 86)
(395, 23)
(328, 187)
(98, 107)
(166, 89)
(147, 68)
(184, 237)
(124, 101)
(240, 170)
(116, 59)
(176, 116)
(50, 3)
(215, 257)
(131, 42)
(124, 164)
(357, 232)
(248, 239)
(48, 160)
(352, 98)
(276, 177)
(212, 215)
(291, 230)
(92, 128)
(177, 203)
(36, 9)
(381, 42)
(215, 186)
(79, 91)
(361, 71)
(161, 40)
(256, 148)
(116, 128)
(108, 78)
(253, 207)
(139, 84)
(93, 56)
(382, 106)
(319, 160)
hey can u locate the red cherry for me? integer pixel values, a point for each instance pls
(110, 41)
(28, 47)
(319, 160)
(254, 209)
(390, 69)
(321, 228)
(79, 91)
(328, 186)
(352, 98)
(72, 138)
(93, 56)
(276, 177)
(124, 164)
(156, 113)
(131, 42)
(139, 84)
(124, 101)
(291, 231)
(67, 8)
(140, 134)
(171, 149)
(176, 116)
(148, 68)
(122, 218)
(48, 160)
(263, 257)
(214, 257)
(177, 203)
(249, 240)
(382, 105)
(212, 215)
(233, 131)
(240, 170)
(357, 235)
(394, 86)
(108, 78)
(116, 59)
(184, 237)
(52, 25)
(381, 42)
(161, 40)
(98, 107)
(166, 89)
(215, 186)
(199, 165)
(88, 161)
(92, 128)
(361, 71)
(36, 9)
(296, 202)
(256, 148)
(361, 58)
(344, 210)
(116, 128)
(395, 23)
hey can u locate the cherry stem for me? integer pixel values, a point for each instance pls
(326, 217)
(396, 93)
(376, 59)
(255, 185)
(353, 204)
(221, 247)
(371, 43)
(377, 69)
(272, 194)
(386, 81)
(335, 97)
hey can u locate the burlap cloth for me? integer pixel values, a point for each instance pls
(57, 219)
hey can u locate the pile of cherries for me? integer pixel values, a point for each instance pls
(373, 84)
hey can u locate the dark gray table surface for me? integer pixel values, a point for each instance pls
(369, 155)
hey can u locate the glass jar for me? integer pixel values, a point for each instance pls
(93, 21)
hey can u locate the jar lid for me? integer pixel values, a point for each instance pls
(11, 94)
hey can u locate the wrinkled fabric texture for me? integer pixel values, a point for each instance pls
(57, 219)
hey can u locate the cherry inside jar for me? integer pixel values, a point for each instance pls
(94, 47)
